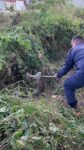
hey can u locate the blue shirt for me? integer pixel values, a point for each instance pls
(75, 58)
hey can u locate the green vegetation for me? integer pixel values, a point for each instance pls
(42, 125)
(40, 39)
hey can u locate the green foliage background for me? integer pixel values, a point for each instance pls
(41, 38)
(45, 30)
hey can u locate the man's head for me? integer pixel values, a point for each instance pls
(76, 40)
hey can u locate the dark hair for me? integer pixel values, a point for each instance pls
(78, 37)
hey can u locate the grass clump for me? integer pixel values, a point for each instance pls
(39, 125)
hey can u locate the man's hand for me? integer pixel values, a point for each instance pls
(56, 78)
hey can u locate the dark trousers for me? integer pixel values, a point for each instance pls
(71, 84)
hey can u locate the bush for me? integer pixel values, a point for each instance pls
(28, 48)
(56, 36)
(79, 13)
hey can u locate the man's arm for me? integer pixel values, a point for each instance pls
(67, 67)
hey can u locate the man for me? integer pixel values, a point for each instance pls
(75, 59)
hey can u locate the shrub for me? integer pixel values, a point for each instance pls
(28, 48)
(56, 36)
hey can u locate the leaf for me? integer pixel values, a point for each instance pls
(36, 138)
(3, 109)
(53, 128)
(21, 143)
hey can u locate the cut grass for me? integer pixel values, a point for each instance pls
(39, 125)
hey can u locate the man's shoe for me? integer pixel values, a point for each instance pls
(77, 111)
